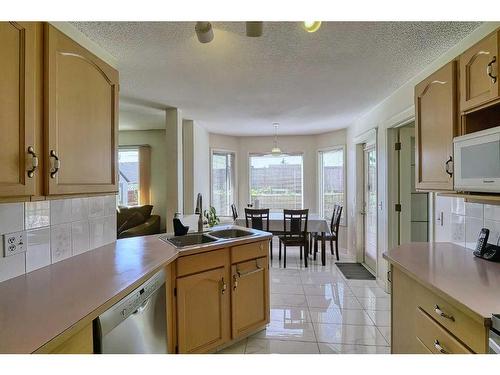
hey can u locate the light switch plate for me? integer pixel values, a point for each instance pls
(14, 243)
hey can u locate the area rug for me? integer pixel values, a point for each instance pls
(355, 271)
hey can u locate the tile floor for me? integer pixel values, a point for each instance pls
(316, 310)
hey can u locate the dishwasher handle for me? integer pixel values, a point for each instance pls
(141, 308)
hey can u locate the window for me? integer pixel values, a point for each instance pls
(222, 189)
(331, 182)
(134, 171)
(276, 181)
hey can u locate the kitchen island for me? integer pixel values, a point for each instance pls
(442, 298)
(51, 310)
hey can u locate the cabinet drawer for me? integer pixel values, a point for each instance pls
(458, 323)
(201, 262)
(436, 338)
(249, 251)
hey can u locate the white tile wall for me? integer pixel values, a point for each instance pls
(462, 221)
(56, 230)
(38, 249)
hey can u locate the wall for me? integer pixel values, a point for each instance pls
(201, 164)
(462, 221)
(157, 141)
(392, 111)
(55, 230)
(308, 145)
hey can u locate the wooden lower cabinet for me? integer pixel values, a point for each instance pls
(424, 322)
(202, 310)
(220, 296)
(77, 343)
(249, 296)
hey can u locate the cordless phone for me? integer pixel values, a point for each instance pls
(484, 249)
(482, 241)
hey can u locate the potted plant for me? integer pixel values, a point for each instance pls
(211, 216)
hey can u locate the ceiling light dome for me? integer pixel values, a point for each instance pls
(312, 26)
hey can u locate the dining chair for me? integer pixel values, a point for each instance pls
(295, 233)
(258, 218)
(234, 211)
(334, 229)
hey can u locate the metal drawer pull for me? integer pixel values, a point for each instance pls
(224, 286)
(34, 162)
(243, 274)
(443, 314)
(489, 69)
(56, 165)
(439, 347)
(235, 282)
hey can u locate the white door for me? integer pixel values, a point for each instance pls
(370, 207)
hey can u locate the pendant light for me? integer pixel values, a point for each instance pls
(276, 151)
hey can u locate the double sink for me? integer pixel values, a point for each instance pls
(206, 237)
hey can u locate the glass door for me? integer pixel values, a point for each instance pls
(370, 207)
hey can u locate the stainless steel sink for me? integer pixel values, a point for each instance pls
(230, 233)
(189, 240)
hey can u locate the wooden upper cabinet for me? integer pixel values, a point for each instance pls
(479, 73)
(17, 108)
(203, 310)
(250, 296)
(435, 127)
(81, 115)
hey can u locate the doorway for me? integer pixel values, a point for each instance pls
(369, 211)
(411, 207)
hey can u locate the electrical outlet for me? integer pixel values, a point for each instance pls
(14, 243)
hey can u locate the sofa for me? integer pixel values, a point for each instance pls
(136, 221)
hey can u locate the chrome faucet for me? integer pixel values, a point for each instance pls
(199, 211)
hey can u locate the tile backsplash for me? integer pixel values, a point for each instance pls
(55, 230)
(462, 221)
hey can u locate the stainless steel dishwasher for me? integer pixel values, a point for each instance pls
(135, 324)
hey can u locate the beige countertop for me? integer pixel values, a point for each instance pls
(40, 305)
(454, 271)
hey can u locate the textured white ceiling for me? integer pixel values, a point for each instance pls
(309, 83)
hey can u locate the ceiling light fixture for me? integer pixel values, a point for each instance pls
(312, 26)
(204, 32)
(276, 151)
(254, 28)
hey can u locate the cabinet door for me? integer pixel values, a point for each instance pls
(478, 73)
(435, 120)
(202, 311)
(250, 296)
(17, 107)
(81, 109)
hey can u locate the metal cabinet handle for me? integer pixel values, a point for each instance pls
(243, 274)
(224, 286)
(34, 162)
(56, 165)
(489, 69)
(235, 281)
(442, 314)
(447, 164)
(439, 348)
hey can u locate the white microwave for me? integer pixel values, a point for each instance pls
(477, 161)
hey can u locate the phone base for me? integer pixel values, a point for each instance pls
(490, 252)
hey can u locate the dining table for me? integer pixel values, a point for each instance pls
(315, 224)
